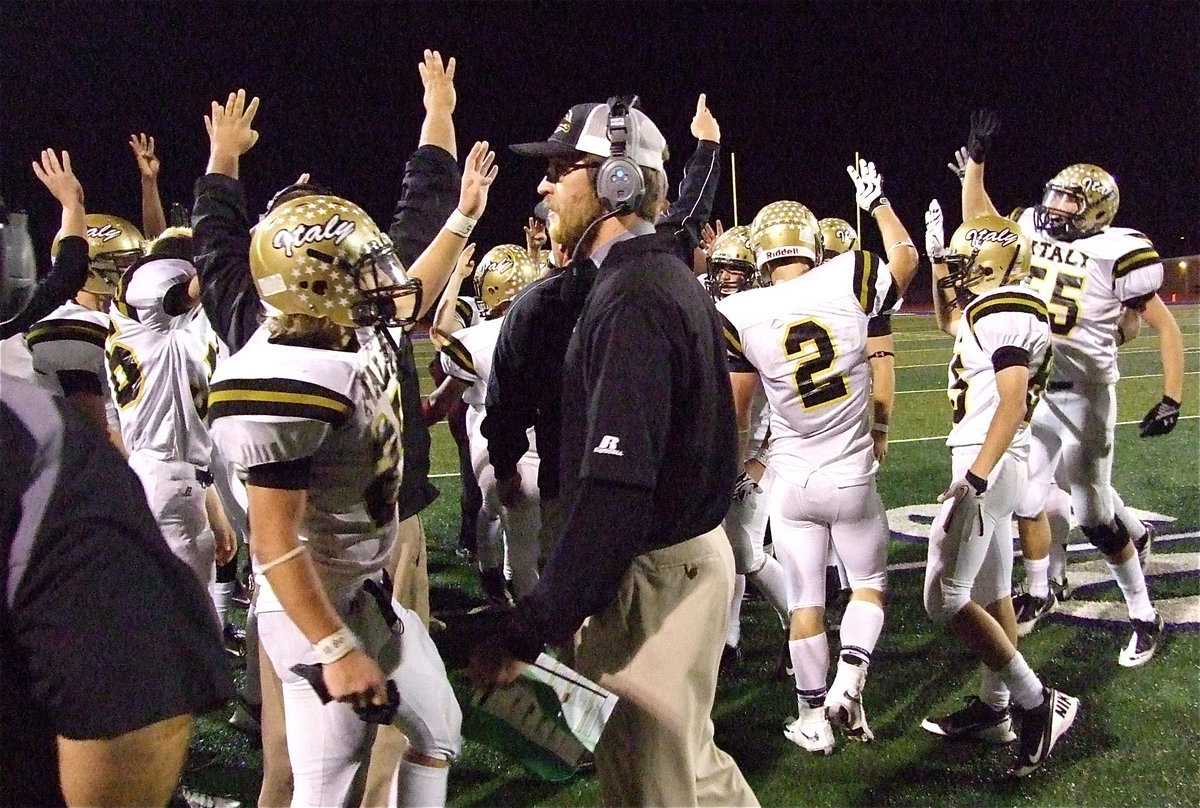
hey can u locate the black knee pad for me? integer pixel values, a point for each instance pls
(1108, 538)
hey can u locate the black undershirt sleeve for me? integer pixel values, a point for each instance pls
(80, 381)
(1009, 356)
(290, 475)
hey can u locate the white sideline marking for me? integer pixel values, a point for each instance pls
(943, 437)
(1185, 561)
(1122, 379)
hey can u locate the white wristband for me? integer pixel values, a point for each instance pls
(336, 646)
(460, 224)
(880, 427)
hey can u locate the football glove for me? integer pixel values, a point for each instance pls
(744, 487)
(868, 186)
(984, 124)
(1161, 419)
(959, 167)
(935, 233)
(968, 485)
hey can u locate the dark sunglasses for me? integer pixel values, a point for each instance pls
(556, 170)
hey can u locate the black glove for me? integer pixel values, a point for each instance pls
(1161, 419)
(984, 124)
(372, 714)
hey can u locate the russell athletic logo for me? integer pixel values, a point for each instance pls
(608, 446)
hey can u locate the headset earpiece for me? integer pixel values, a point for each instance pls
(619, 183)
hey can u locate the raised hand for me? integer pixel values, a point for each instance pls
(959, 166)
(935, 233)
(704, 125)
(479, 172)
(143, 152)
(709, 234)
(868, 186)
(58, 178)
(230, 125)
(535, 236)
(984, 124)
(440, 94)
(466, 265)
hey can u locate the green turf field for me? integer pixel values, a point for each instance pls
(1132, 743)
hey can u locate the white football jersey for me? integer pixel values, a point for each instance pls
(157, 369)
(468, 311)
(806, 339)
(1084, 282)
(70, 340)
(467, 356)
(1006, 324)
(272, 403)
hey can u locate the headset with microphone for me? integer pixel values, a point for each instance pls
(619, 183)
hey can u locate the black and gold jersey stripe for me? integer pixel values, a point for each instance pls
(464, 311)
(459, 355)
(1135, 259)
(275, 396)
(733, 344)
(66, 329)
(1019, 302)
(866, 275)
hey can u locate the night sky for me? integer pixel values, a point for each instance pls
(797, 88)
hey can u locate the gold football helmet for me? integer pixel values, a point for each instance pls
(113, 246)
(985, 253)
(731, 263)
(1080, 201)
(505, 270)
(323, 256)
(784, 230)
(837, 237)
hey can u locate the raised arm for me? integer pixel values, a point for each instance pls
(901, 253)
(435, 264)
(975, 199)
(944, 312)
(698, 189)
(154, 221)
(440, 99)
(221, 225)
(71, 262)
(444, 322)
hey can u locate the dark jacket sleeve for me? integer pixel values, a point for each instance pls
(64, 281)
(603, 531)
(221, 239)
(697, 192)
(511, 404)
(428, 194)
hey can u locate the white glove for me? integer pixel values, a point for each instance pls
(966, 487)
(935, 233)
(868, 186)
(959, 166)
(744, 487)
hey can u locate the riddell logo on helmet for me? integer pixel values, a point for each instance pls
(105, 232)
(335, 230)
(783, 252)
(981, 237)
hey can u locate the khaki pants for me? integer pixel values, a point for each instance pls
(657, 646)
(410, 587)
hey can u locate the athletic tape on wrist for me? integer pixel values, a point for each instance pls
(460, 224)
(336, 646)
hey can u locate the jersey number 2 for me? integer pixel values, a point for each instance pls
(811, 343)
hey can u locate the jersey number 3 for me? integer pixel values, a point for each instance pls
(811, 343)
